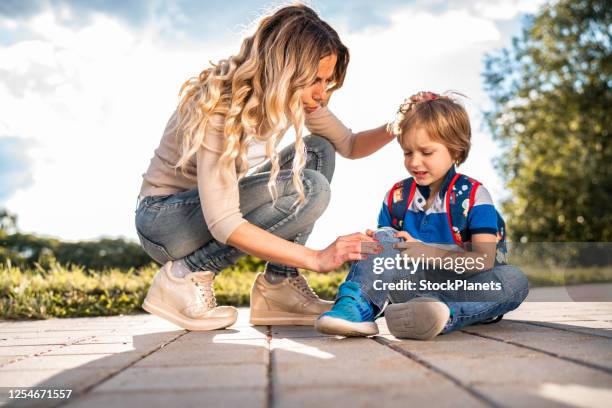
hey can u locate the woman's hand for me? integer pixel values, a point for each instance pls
(399, 234)
(353, 247)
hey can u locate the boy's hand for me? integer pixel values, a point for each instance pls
(412, 247)
(405, 235)
(415, 249)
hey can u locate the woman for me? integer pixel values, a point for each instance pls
(199, 211)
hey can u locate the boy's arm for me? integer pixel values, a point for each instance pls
(384, 216)
(482, 225)
(480, 257)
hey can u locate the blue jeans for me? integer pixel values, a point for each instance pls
(467, 307)
(172, 227)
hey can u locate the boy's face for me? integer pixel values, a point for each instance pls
(427, 161)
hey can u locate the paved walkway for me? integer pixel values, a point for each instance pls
(544, 354)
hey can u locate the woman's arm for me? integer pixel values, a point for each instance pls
(348, 144)
(262, 244)
(369, 141)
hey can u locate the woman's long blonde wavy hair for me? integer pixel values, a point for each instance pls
(258, 91)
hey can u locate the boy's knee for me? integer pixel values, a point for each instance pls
(513, 280)
(386, 234)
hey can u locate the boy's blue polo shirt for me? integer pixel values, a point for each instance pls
(431, 225)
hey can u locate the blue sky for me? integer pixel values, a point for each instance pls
(87, 86)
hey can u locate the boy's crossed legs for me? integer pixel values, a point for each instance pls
(418, 312)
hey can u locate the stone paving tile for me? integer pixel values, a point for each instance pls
(74, 361)
(192, 377)
(574, 328)
(556, 309)
(37, 341)
(75, 379)
(192, 353)
(40, 334)
(549, 394)
(27, 350)
(95, 349)
(323, 362)
(229, 367)
(236, 398)
(152, 339)
(8, 359)
(231, 333)
(448, 344)
(593, 349)
(590, 324)
(367, 396)
(73, 333)
(510, 367)
(296, 332)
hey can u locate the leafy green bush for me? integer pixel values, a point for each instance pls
(26, 250)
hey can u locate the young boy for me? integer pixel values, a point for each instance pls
(443, 263)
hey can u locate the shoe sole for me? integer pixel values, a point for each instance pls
(420, 319)
(341, 327)
(161, 310)
(265, 318)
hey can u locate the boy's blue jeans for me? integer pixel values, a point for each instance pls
(173, 227)
(467, 307)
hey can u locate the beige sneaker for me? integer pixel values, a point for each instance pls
(290, 302)
(422, 318)
(188, 302)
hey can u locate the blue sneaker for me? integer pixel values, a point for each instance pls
(351, 315)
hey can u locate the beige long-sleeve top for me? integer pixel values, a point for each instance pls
(220, 199)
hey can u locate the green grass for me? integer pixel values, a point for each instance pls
(554, 276)
(58, 291)
(72, 291)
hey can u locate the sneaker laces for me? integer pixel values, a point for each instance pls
(205, 287)
(353, 309)
(300, 283)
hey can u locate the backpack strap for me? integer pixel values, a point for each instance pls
(451, 206)
(458, 208)
(460, 198)
(398, 201)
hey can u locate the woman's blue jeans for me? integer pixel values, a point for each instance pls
(173, 227)
(467, 307)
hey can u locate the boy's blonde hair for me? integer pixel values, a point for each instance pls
(258, 91)
(444, 119)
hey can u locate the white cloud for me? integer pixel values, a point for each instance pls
(506, 9)
(96, 99)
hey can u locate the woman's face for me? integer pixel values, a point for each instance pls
(315, 94)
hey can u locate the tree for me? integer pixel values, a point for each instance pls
(8, 222)
(551, 113)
